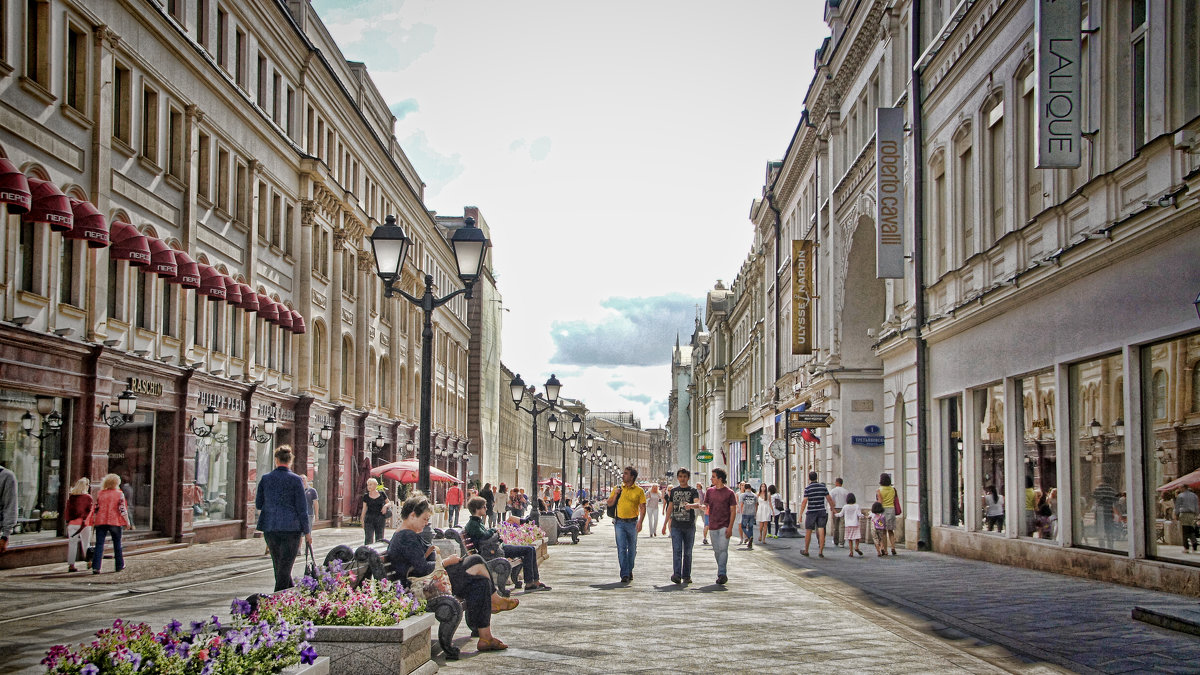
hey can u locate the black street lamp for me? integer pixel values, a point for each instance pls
(319, 439)
(576, 425)
(517, 389)
(390, 246)
(269, 427)
(211, 418)
(583, 451)
(126, 407)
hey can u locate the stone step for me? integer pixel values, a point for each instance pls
(1184, 618)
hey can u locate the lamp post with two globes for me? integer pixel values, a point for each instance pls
(517, 389)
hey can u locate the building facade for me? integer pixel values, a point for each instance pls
(237, 164)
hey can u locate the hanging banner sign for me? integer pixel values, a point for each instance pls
(889, 193)
(802, 272)
(1059, 97)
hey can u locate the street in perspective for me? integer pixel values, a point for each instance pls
(365, 336)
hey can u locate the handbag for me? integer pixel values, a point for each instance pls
(432, 585)
(896, 503)
(310, 562)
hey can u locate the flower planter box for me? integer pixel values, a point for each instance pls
(318, 667)
(378, 650)
(543, 551)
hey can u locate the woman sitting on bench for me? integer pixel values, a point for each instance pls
(477, 532)
(469, 578)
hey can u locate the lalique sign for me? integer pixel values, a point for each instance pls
(1057, 24)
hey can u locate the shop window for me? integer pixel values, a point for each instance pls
(122, 103)
(76, 89)
(1035, 418)
(216, 474)
(952, 443)
(37, 42)
(321, 479)
(1172, 443)
(38, 458)
(131, 456)
(1098, 456)
(990, 477)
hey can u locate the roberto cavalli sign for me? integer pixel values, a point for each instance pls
(889, 193)
(1057, 24)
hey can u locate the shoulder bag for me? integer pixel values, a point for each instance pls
(310, 562)
(432, 585)
(612, 510)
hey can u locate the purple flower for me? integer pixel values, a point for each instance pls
(216, 623)
(135, 659)
(310, 630)
(309, 583)
(240, 608)
(174, 627)
(90, 669)
(197, 627)
(307, 654)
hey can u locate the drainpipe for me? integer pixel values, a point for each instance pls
(925, 531)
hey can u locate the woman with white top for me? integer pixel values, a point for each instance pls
(851, 515)
(653, 507)
(763, 513)
(993, 509)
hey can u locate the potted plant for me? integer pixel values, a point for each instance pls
(372, 627)
(206, 648)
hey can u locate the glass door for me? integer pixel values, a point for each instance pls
(131, 456)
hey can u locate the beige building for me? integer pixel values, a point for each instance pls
(239, 164)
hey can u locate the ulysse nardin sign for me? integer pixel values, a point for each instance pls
(1057, 24)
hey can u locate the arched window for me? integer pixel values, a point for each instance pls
(347, 367)
(1159, 388)
(320, 355)
(996, 182)
(385, 383)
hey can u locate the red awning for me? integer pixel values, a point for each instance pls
(14, 188)
(212, 282)
(162, 259)
(233, 292)
(285, 316)
(128, 244)
(298, 326)
(90, 225)
(267, 309)
(49, 205)
(249, 298)
(189, 271)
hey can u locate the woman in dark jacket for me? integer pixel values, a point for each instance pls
(469, 578)
(490, 498)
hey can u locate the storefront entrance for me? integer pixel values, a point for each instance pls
(131, 456)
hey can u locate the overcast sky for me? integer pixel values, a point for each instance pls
(614, 148)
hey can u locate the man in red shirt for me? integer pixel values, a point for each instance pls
(454, 500)
(721, 504)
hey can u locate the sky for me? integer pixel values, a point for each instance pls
(614, 147)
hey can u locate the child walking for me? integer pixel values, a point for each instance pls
(879, 522)
(850, 516)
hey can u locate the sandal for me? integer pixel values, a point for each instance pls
(490, 645)
(504, 604)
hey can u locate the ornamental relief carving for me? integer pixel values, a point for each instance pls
(318, 299)
(347, 316)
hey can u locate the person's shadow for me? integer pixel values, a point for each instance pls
(670, 588)
(711, 588)
(608, 587)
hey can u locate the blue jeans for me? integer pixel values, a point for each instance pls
(454, 508)
(720, 545)
(748, 523)
(113, 531)
(683, 537)
(626, 545)
(528, 557)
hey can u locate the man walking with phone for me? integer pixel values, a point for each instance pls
(630, 501)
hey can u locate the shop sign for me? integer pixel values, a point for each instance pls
(233, 403)
(889, 193)
(145, 387)
(808, 420)
(273, 410)
(704, 456)
(801, 296)
(1059, 91)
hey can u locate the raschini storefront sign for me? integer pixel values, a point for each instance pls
(802, 269)
(889, 193)
(1057, 24)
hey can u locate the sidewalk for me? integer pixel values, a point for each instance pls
(1082, 625)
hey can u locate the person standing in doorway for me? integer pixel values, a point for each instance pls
(284, 516)
(79, 531)
(683, 501)
(993, 509)
(721, 504)
(630, 500)
(838, 493)
(1187, 507)
(816, 514)
(375, 510)
(110, 515)
(654, 504)
(311, 496)
(454, 502)
(886, 495)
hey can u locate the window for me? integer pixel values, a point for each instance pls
(272, 346)
(168, 308)
(1172, 441)
(1032, 176)
(222, 38)
(320, 355)
(290, 113)
(175, 9)
(1137, 62)
(347, 367)
(990, 485)
(261, 90)
(263, 223)
(76, 88)
(203, 165)
(114, 283)
(1035, 418)
(142, 307)
(216, 320)
(27, 257)
(150, 124)
(66, 272)
(997, 184)
(239, 55)
(37, 42)
(964, 190)
(122, 102)
(1097, 456)
(1195, 368)
(276, 87)
(285, 342)
(349, 271)
(276, 224)
(202, 22)
(289, 216)
(175, 143)
(1158, 395)
(941, 224)
(216, 473)
(199, 303)
(237, 319)
(321, 139)
(223, 179)
(242, 186)
(310, 127)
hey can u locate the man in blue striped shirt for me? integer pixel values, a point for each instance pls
(816, 515)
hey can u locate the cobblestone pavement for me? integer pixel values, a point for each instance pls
(780, 612)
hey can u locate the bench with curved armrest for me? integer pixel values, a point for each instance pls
(371, 562)
(502, 570)
(567, 527)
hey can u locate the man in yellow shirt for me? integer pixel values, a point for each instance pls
(630, 501)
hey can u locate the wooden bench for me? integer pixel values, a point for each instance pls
(371, 562)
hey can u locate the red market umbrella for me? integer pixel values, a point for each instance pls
(551, 481)
(1192, 479)
(405, 471)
